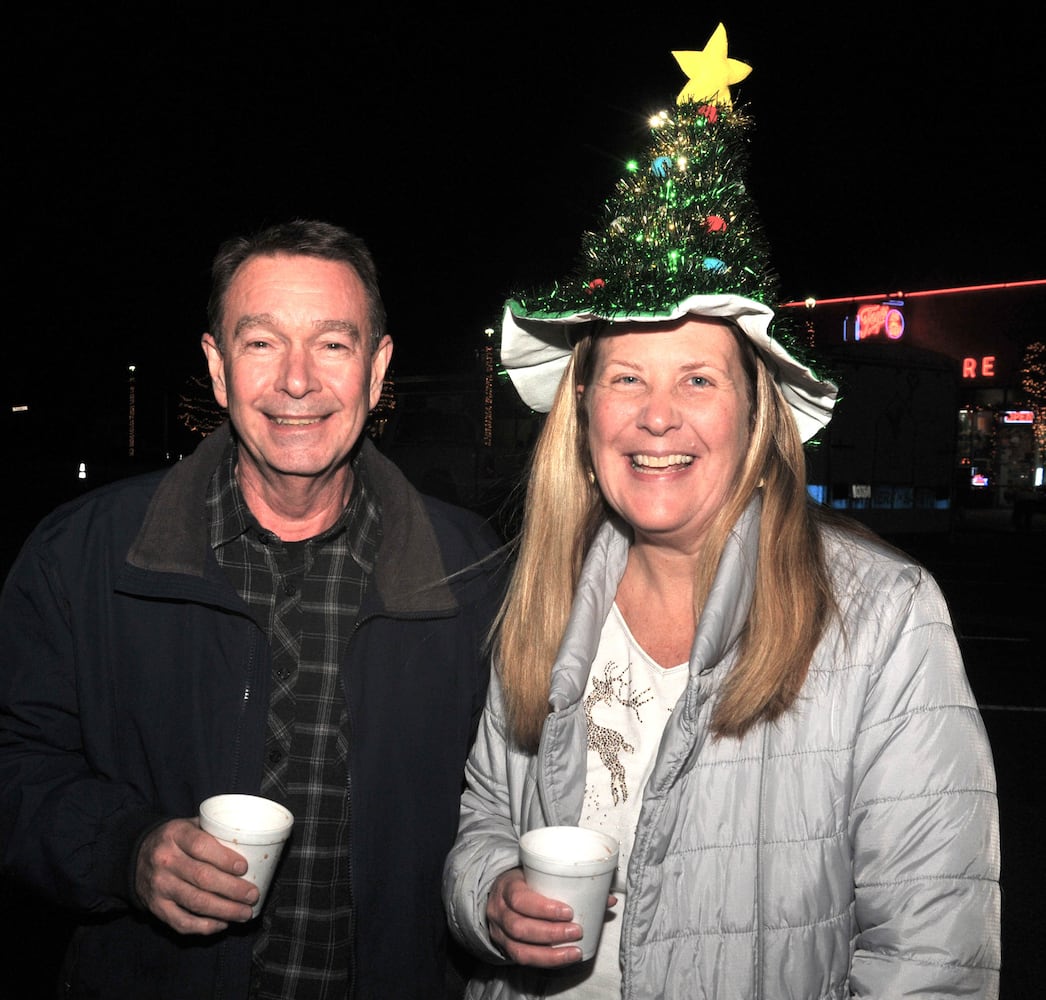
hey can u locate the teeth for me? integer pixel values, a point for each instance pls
(296, 421)
(661, 461)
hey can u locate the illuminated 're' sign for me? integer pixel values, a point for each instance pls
(883, 320)
(1018, 417)
(979, 367)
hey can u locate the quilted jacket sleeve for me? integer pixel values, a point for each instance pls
(924, 819)
(488, 835)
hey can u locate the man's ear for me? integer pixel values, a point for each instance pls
(216, 367)
(379, 365)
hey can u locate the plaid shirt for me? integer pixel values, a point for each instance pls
(306, 597)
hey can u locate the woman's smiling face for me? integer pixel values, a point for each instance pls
(668, 426)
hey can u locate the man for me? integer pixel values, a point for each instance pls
(280, 614)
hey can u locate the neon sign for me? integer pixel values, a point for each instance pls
(983, 367)
(1018, 417)
(882, 319)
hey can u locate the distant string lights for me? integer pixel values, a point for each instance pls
(130, 410)
(488, 389)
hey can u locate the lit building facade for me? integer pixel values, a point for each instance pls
(942, 404)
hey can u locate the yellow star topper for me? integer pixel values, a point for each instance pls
(711, 72)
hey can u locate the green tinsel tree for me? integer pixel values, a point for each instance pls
(681, 222)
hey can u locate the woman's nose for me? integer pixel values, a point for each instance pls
(659, 413)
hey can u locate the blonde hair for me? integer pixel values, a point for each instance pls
(564, 509)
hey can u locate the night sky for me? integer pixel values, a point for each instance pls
(892, 150)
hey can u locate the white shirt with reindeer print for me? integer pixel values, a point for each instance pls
(627, 702)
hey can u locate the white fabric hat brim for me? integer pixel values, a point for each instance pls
(535, 352)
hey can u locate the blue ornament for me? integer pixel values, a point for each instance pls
(714, 264)
(660, 166)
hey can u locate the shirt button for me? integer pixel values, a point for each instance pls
(290, 590)
(275, 755)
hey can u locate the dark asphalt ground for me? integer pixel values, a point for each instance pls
(994, 577)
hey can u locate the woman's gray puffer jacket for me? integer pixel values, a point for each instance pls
(849, 849)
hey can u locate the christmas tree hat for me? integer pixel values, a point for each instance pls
(681, 237)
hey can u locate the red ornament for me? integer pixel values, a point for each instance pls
(715, 224)
(709, 111)
(594, 285)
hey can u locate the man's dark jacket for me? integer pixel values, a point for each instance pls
(134, 684)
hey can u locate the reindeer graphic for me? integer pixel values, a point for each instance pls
(606, 742)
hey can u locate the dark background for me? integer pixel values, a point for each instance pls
(895, 148)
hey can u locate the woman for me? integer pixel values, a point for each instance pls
(768, 708)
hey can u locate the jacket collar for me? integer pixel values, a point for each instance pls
(409, 575)
(718, 629)
(174, 535)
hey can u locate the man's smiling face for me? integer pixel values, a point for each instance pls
(295, 368)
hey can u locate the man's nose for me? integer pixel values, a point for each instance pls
(298, 373)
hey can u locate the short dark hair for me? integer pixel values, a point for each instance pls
(299, 238)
